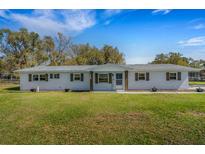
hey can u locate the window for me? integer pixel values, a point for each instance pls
(56, 76)
(172, 76)
(35, 77)
(51, 76)
(30, 77)
(43, 77)
(118, 78)
(103, 77)
(77, 76)
(141, 76)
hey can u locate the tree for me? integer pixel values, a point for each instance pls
(86, 54)
(90, 55)
(22, 48)
(1, 65)
(63, 43)
(112, 55)
(59, 52)
(196, 63)
(171, 58)
(161, 59)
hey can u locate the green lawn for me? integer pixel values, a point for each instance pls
(100, 118)
(197, 82)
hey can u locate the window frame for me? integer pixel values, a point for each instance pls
(51, 76)
(40, 78)
(144, 73)
(100, 74)
(33, 78)
(56, 74)
(172, 78)
(119, 81)
(74, 76)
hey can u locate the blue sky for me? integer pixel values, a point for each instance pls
(139, 34)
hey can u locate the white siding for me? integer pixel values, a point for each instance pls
(158, 79)
(55, 84)
(79, 85)
(107, 86)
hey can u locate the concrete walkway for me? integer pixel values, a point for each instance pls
(191, 90)
(149, 92)
(159, 92)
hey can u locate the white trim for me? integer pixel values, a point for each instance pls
(76, 74)
(56, 74)
(103, 74)
(175, 78)
(40, 77)
(33, 77)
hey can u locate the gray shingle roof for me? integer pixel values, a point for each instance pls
(109, 67)
(161, 67)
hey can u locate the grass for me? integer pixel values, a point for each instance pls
(100, 118)
(197, 83)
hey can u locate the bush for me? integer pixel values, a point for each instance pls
(33, 90)
(199, 89)
(67, 90)
(154, 89)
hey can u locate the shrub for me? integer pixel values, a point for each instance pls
(154, 89)
(67, 90)
(33, 90)
(199, 89)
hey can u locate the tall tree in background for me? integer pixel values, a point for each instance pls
(112, 55)
(160, 59)
(23, 49)
(178, 59)
(1, 65)
(197, 63)
(85, 54)
(59, 51)
(171, 58)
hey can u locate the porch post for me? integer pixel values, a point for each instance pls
(91, 81)
(126, 80)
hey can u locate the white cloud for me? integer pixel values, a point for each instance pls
(47, 21)
(161, 11)
(108, 14)
(3, 13)
(79, 19)
(112, 12)
(195, 41)
(197, 23)
(199, 26)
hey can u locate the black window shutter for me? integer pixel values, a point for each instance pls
(71, 77)
(136, 77)
(179, 75)
(82, 77)
(167, 76)
(30, 77)
(46, 77)
(147, 76)
(110, 77)
(96, 78)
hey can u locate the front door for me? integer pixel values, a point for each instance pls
(119, 81)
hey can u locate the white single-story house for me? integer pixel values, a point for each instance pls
(106, 77)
